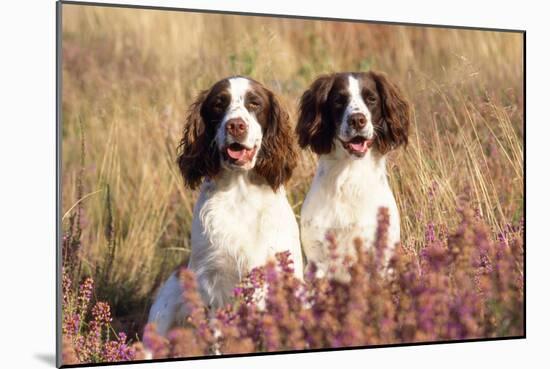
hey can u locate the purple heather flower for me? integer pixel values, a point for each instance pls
(85, 294)
(430, 233)
(102, 313)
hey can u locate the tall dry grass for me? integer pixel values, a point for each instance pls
(128, 76)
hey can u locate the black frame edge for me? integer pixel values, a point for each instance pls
(525, 184)
(58, 112)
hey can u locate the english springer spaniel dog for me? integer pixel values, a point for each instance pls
(239, 148)
(351, 120)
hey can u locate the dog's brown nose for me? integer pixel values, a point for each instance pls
(236, 127)
(357, 121)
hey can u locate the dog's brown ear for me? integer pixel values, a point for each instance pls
(278, 155)
(315, 129)
(198, 155)
(393, 128)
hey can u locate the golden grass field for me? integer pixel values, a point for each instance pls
(129, 76)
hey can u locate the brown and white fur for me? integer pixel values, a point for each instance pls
(238, 147)
(351, 120)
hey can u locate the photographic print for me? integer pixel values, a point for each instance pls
(240, 184)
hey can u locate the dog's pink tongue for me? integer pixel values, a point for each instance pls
(237, 154)
(359, 146)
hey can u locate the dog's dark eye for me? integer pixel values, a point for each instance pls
(219, 103)
(340, 100)
(254, 105)
(370, 98)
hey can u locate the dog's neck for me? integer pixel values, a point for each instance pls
(239, 180)
(341, 171)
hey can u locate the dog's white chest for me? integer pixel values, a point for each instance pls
(235, 230)
(232, 221)
(345, 206)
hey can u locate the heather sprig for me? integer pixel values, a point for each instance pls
(86, 328)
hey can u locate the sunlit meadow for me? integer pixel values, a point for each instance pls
(129, 76)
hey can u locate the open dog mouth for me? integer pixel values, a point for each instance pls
(358, 145)
(239, 154)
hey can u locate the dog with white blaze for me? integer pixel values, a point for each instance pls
(351, 121)
(238, 147)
